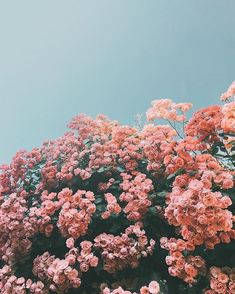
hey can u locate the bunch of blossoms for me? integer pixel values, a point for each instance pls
(16, 229)
(21, 163)
(212, 173)
(70, 153)
(214, 126)
(222, 281)
(180, 159)
(135, 193)
(167, 109)
(112, 206)
(87, 127)
(110, 144)
(120, 252)
(228, 121)
(86, 257)
(174, 155)
(228, 110)
(201, 214)
(76, 212)
(102, 154)
(205, 125)
(63, 154)
(130, 154)
(14, 175)
(208, 171)
(120, 147)
(185, 267)
(60, 275)
(55, 273)
(11, 284)
(97, 133)
(152, 288)
(157, 143)
(41, 168)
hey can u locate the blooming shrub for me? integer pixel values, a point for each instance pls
(112, 209)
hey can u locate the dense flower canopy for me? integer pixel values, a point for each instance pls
(118, 209)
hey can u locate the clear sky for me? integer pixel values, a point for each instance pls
(62, 58)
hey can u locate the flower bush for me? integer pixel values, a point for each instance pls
(118, 209)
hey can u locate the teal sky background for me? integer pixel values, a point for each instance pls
(62, 58)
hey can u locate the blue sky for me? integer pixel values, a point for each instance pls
(62, 58)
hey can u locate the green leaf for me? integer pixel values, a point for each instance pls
(98, 200)
(120, 169)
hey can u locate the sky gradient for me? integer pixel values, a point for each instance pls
(62, 58)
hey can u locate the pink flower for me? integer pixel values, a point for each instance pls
(86, 245)
(70, 243)
(94, 261)
(84, 267)
(73, 274)
(154, 287)
(195, 185)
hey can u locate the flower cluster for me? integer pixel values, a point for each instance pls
(10, 284)
(167, 109)
(205, 123)
(201, 214)
(75, 214)
(222, 280)
(152, 288)
(228, 121)
(186, 267)
(16, 228)
(135, 193)
(57, 274)
(86, 258)
(120, 252)
(158, 144)
(112, 207)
